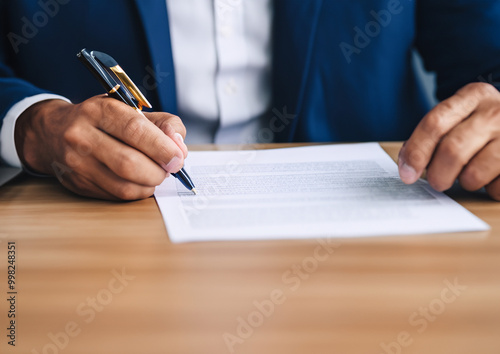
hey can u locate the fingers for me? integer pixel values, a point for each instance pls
(167, 122)
(493, 189)
(113, 184)
(172, 126)
(91, 178)
(85, 187)
(140, 133)
(423, 143)
(455, 151)
(126, 162)
(483, 169)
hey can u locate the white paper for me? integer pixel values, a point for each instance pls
(307, 192)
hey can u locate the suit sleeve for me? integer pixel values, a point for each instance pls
(460, 41)
(12, 88)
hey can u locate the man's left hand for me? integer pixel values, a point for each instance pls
(459, 138)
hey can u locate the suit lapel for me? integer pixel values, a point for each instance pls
(161, 76)
(295, 24)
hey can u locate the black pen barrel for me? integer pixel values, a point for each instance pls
(183, 177)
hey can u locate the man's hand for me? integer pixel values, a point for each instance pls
(459, 138)
(101, 148)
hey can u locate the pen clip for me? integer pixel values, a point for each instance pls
(100, 73)
(110, 64)
(107, 80)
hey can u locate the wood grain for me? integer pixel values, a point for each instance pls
(190, 298)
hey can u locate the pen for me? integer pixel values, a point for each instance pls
(126, 91)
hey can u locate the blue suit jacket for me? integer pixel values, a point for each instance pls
(343, 67)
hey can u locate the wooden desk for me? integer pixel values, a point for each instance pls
(184, 298)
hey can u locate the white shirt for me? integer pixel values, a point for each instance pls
(222, 62)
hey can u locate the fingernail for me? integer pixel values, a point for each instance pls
(179, 137)
(400, 153)
(407, 173)
(174, 165)
(180, 140)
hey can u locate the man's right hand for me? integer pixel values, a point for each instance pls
(101, 148)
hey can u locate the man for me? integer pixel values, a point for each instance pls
(341, 71)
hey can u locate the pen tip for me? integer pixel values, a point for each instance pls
(194, 191)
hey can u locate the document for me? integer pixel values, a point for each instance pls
(348, 190)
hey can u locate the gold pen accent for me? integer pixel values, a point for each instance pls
(114, 89)
(129, 84)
